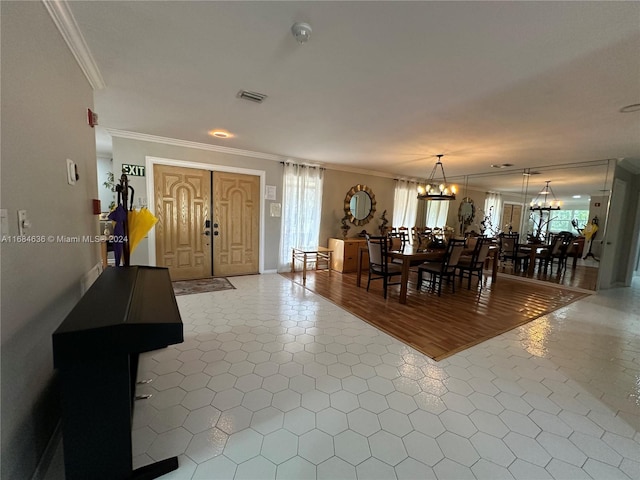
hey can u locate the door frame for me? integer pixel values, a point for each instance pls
(610, 241)
(151, 161)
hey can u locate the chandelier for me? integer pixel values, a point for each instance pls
(436, 189)
(545, 201)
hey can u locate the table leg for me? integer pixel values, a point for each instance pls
(532, 261)
(293, 261)
(405, 280)
(494, 267)
(329, 264)
(359, 273)
(304, 269)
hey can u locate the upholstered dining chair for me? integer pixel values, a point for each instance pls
(558, 247)
(509, 251)
(446, 268)
(397, 240)
(474, 264)
(379, 266)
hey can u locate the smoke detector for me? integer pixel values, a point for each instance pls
(301, 32)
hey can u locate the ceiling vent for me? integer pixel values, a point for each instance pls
(251, 96)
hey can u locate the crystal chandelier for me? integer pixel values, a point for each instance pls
(545, 201)
(436, 189)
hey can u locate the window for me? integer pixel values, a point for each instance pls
(561, 220)
(301, 209)
(437, 212)
(405, 204)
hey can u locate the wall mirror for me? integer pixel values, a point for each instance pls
(360, 204)
(466, 212)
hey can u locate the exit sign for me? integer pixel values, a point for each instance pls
(133, 170)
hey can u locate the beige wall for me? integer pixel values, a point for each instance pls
(478, 200)
(44, 99)
(336, 185)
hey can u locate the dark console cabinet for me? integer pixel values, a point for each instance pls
(127, 311)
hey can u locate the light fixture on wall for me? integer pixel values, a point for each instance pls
(545, 201)
(436, 189)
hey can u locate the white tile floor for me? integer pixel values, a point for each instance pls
(273, 381)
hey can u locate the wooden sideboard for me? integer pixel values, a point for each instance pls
(345, 254)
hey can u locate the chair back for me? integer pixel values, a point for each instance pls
(397, 240)
(558, 245)
(377, 247)
(509, 246)
(452, 255)
(416, 233)
(404, 235)
(481, 251)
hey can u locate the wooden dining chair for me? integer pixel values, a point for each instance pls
(509, 251)
(422, 238)
(557, 250)
(379, 266)
(446, 268)
(398, 240)
(474, 264)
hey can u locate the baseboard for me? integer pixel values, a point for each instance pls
(90, 277)
(48, 454)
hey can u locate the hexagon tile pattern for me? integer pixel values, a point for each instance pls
(273, 381)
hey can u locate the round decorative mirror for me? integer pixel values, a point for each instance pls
(360, 204)
(466, 211)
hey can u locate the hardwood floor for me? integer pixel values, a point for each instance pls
(441, 326)
(582, 276)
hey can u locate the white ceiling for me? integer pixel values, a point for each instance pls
(380, 86)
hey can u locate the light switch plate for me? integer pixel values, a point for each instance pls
(275, 209)
(22, 221)
(71, 172)
(4, 222)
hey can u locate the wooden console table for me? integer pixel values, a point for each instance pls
(318, 254)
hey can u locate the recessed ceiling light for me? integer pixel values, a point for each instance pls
(576, 196)
(635, 107)
(220, 134)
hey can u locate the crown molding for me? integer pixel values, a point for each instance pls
(200, 146)
(373, 173)
(67, 26)
(237, 151)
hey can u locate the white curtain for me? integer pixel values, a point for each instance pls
(437, 212)
(493, 207)
(301, 210)
(405, 204)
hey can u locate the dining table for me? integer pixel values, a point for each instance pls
(533, 249)
(411, 256)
